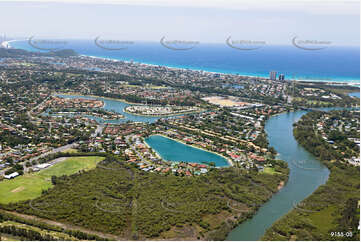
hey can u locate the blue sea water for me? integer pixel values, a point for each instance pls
(341, 64)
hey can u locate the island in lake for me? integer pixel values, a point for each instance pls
(147, 110)
(156, 155)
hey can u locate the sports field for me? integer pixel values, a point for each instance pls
(29, 186)
(269, 170)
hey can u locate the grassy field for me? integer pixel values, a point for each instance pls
(70, 150)
(29, 186)
(324, 220)
(127, 202)
(270, 170)
(314, 102)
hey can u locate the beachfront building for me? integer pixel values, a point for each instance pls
(281, 77)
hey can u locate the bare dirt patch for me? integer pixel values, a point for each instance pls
(224, 102)
(281, 185)
(19, 189)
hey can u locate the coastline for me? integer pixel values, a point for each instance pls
(6, 44)
(350, 82)
(180, 141)
(196, 147)
(331, 82)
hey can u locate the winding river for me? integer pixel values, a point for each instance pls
(306, 175)
(306, 172)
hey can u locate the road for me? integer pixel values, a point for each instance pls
(36, 107)
(133, 148)
(98, 130)
(53, 151)
(59, 149)
(63, 225)
(7, 126)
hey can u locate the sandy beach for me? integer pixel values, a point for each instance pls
(352, 83)
(6, 44)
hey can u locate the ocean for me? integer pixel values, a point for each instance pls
(338, 64)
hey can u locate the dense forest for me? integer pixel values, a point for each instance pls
(307, 135)
(119, 199)
(29, 229)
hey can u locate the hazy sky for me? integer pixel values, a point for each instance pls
(275, 22)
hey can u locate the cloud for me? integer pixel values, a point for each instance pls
(276, 22)
(308, 6)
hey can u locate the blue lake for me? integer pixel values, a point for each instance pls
(354, 94)
(115, 106)
(306, 172)
(172, 150)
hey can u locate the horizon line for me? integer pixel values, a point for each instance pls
(159, 41)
